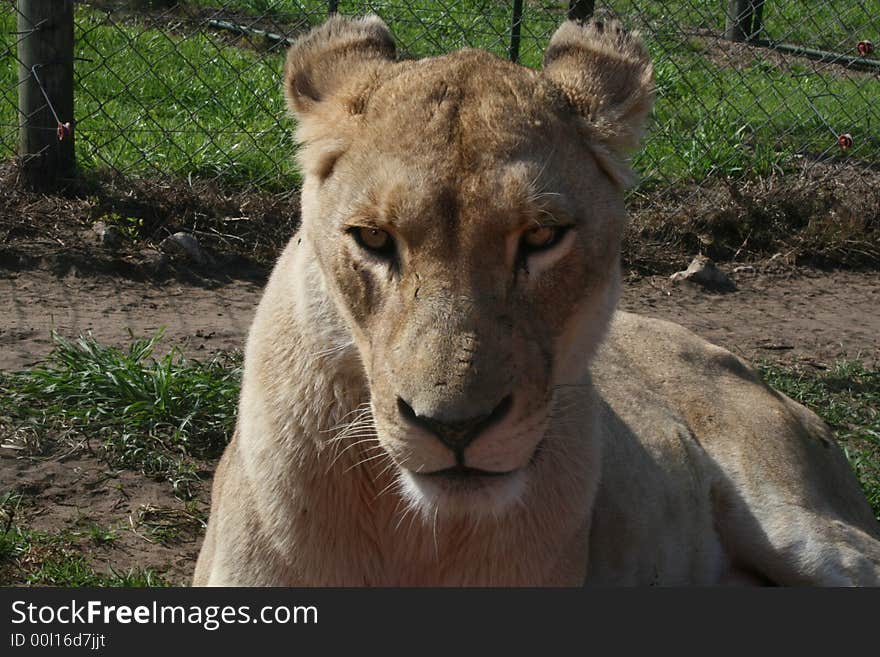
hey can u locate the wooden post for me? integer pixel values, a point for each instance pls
(515, 30)
(45, 92)
(581, 10)
(738, 23)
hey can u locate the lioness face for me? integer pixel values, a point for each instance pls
(469, 236)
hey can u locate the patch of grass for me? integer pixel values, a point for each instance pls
(280, 10)
(40, 558)
(169, 526)
(151, 414)
(101, 535)
(847, 397)
(11, 539)
(712, 122)
(131, 227)
(36, 558)
(135, 578)
(63, 567)
(486, 23)
(825, 25)
(12, 543)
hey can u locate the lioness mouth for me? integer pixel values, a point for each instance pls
(461, 490)
(464, 472)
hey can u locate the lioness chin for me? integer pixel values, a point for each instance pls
(437, 390)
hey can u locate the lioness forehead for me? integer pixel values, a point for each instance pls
(468, 134)
(507, 194)
(470, 106)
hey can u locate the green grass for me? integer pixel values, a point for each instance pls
(8, 83)
(74, 569)
(101, 535)
(718, 122)
(427, 27)
(709, 121)
(10, 502)
(169, 526)
(39, 558)
(847, 397)
(155, 103)
(836, 25)
(155, 415)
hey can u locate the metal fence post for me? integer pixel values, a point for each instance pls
(332, 7)
(515, 30)
(45, 92)
(580, 10)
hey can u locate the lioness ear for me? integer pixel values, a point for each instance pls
(607, 76)
(327, 58)
(328, 76)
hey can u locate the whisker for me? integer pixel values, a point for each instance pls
(363, 410)
(403, 516)
(387, 468)
(367, 460)
(394, 482)
(352, 431)
(348, 447)
(434, 531)
(364, 431)
(332, 350)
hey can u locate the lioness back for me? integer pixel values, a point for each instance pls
(742, 468)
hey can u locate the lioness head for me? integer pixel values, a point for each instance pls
(466, 214)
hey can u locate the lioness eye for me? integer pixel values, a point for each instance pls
(373, 239)
(542, 238)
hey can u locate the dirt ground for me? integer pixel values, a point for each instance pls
(198, 319)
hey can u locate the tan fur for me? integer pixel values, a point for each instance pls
(650, 458)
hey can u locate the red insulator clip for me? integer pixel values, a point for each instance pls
(845, 141)
(865, 48)
(63, 130)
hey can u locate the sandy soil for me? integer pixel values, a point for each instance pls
(802, 315)
(197, 319)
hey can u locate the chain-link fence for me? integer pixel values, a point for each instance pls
(192, 88)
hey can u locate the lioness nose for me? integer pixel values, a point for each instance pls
(456, 435)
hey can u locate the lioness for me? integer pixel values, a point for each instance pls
(437, 389)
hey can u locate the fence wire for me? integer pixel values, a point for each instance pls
(192, 89)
